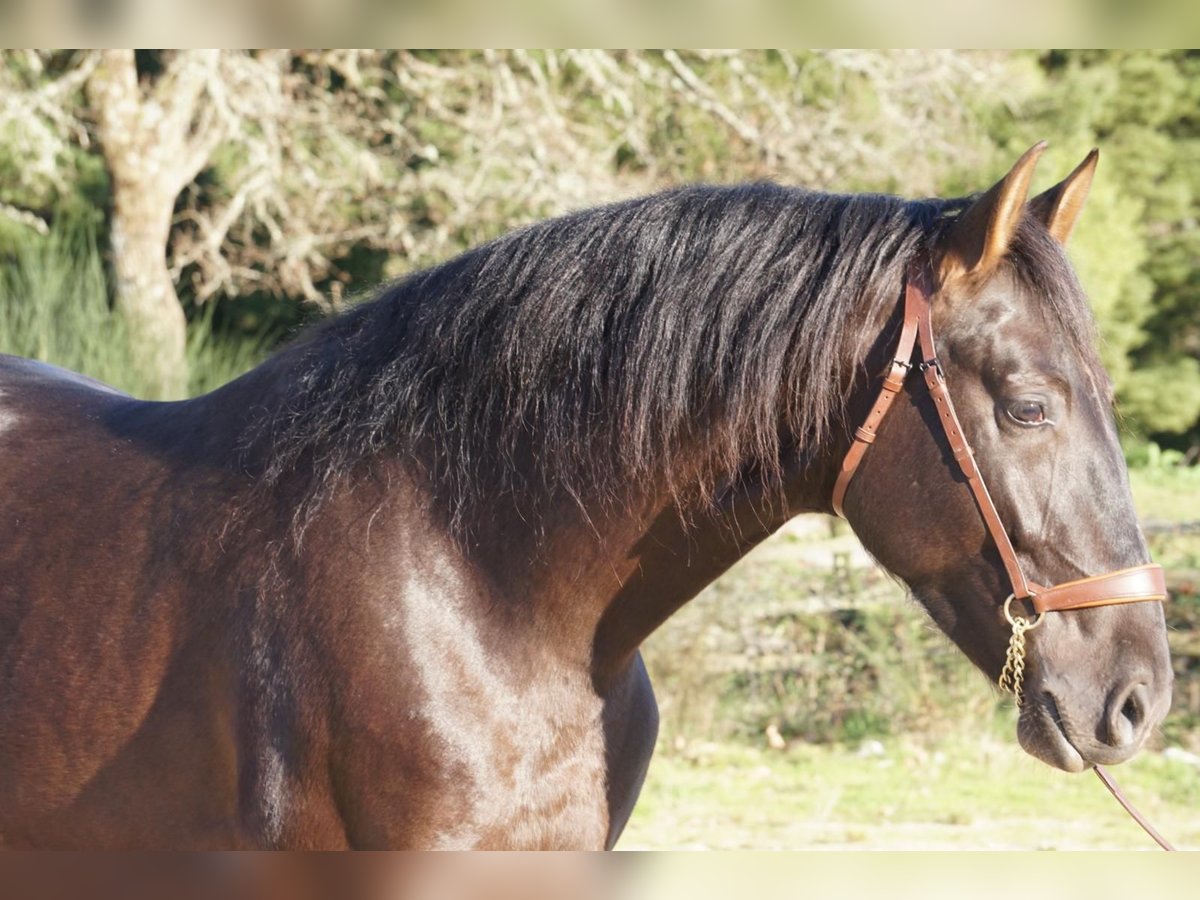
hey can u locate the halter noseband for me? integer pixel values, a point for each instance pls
(1136, 584)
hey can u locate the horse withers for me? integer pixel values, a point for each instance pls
(388, 588)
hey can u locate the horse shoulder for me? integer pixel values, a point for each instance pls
(455, 725)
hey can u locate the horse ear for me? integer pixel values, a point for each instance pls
(980, 236)
(1059, 207)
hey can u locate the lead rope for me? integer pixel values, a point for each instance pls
(1011, 678)
(1107, 781)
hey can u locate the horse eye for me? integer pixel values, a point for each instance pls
(1027, 412)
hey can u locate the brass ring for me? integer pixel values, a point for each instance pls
(1029, 625)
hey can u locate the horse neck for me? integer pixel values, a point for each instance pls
(672, 556)
(677, 554)
(610, 570)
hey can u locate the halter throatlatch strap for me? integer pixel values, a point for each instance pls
(1140, 583)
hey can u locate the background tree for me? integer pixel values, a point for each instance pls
(156, 133)
(1140, 246)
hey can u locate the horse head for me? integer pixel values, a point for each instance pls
(1015, 340)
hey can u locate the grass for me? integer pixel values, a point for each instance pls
(54, 308)
(975, 792)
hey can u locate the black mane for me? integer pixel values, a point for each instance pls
(670, 339)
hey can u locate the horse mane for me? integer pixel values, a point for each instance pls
(674, 339)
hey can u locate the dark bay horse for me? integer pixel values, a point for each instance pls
(388, 588)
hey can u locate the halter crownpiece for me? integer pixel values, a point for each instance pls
(1132, 585)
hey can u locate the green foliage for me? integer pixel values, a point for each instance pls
(1138, 244)
(1149, 458)
(1164, 397)
(215, 357)
(54, 306)
(1163, 489)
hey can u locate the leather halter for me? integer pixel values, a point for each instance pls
(1145, 582)
(1136, 584)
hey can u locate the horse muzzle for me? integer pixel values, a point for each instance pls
(1089, 703)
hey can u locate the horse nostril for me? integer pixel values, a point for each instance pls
(1127, 716)
(1132, 710)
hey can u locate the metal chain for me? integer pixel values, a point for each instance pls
(1013, 674)
(1014, 664)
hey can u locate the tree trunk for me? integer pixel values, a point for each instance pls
(145, 295)
(154, 144)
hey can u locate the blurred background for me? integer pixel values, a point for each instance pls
(167, 218)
